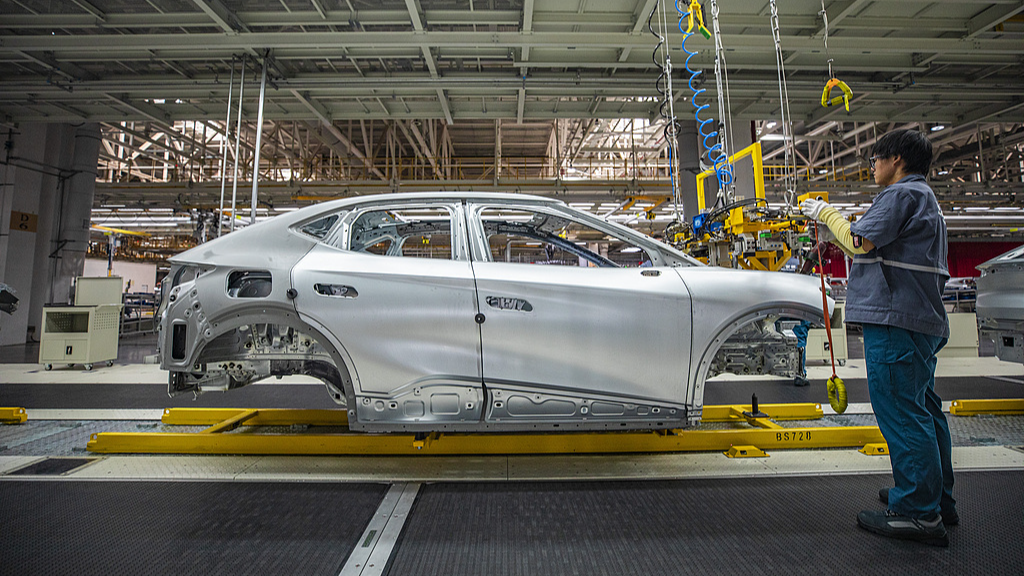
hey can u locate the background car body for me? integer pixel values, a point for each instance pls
(468, 342)
(1000, 305)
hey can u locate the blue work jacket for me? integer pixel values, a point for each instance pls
(900, 282)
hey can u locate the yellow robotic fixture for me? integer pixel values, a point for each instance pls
(747, 233)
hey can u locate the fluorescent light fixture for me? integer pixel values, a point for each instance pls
(773, 137)
(771, 124)
(943, 172)
(823, 171)
(937, 127)
(630, 250)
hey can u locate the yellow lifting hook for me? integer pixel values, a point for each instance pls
(827, 100)
(696, 9)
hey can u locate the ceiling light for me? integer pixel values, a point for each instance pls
(943, 172)
(630, 250)
(937, 127)
(773, 137)
(771, 125)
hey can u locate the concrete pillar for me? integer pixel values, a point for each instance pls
(75, 210)
(689, 167)
(46, 190)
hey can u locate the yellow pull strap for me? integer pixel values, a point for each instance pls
(837, 394)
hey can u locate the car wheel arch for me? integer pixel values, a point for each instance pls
(287, 318)
(733, 325)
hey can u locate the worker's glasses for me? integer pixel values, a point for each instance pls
(874, 158)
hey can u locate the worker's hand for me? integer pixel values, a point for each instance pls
(812, 208)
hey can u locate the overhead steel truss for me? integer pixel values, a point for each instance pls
(164, 60)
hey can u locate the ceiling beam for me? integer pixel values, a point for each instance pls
(841, 9)
(319, 7)
(989, 18)
(148, 110)
(94, 11)
(222, 16)
(66, 69)
(323, 115)
(318, 42)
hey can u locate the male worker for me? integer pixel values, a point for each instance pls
(895, 292)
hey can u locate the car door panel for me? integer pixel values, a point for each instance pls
(404, 321)
(619, 332)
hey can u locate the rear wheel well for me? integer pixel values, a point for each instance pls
(249, 349)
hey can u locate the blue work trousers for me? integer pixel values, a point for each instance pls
(901, 380)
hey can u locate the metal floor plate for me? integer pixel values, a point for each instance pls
(793, 526)
(179, 528)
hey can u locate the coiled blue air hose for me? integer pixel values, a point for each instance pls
(723, 168)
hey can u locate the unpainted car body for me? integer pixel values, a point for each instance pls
(420, 313)
(1000, 305)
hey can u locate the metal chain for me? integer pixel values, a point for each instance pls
(721, 83)
(824, 17)
(788, 143)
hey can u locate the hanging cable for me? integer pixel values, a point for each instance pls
(835, 385)
(788, 144)
(724, 104)
(833, 82)
(716, 151)
(666, 107)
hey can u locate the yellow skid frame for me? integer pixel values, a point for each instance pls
(764, 434)
(999, 407)
(13, 415)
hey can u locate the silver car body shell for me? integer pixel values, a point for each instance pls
(601, 348)
(1000, 303)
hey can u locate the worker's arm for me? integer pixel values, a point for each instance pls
(839, 226)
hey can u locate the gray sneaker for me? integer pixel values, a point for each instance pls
(892, 525)
(949, 517)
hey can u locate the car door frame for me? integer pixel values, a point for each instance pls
(458, 398)
(637, 410)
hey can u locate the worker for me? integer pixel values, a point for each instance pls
(895, 292)
(800, 331)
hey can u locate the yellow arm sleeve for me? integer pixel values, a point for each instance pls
(840, 228)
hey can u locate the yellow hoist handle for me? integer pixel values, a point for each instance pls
(696, 9)
(827, 100)
(837, 394)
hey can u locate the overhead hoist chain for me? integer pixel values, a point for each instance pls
(826, 95)
(727, 190)
(788, 144)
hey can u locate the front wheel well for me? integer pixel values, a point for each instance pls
(733, 326)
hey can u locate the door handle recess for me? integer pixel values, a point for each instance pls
(335, 290)
(507, 303)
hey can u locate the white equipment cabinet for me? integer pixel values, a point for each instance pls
(87, 332)
(963, 336)
(817, 338)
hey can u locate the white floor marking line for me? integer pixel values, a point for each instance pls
(375, 546)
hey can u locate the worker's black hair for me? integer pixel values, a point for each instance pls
(910, 145)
